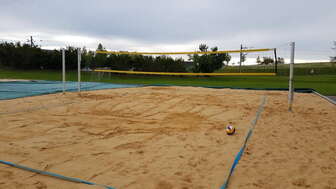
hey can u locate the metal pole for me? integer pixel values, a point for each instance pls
(31, 41)
(79, 69)
(276, 61)
(240, 57)
(291, 74)
(63, 69)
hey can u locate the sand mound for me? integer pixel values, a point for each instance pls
(162, 137)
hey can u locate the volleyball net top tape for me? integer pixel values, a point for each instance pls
(184, 53)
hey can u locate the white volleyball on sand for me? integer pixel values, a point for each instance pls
(230, 130)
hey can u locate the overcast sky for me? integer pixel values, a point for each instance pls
(174, 25)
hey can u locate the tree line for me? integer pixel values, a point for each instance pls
(24, 56)
(266, 60)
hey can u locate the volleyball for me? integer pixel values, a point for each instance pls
(230, 130)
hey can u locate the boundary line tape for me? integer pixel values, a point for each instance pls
(71, 179)
(241, 151)
(325, 97)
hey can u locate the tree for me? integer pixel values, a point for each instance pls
(208, 63)
(100, 47)
(87, 58)
(333, 58)
(219, 59)
(268, 60)
(71, 55)
(281, 60)
(24, 56)
(265, 60)
(203, 47)
(100, 59)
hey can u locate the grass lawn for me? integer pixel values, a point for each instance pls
(323, 68)
(324, 84)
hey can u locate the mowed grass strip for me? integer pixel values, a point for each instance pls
(324, 84)
(322, 68)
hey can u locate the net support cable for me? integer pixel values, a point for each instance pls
(55, 175)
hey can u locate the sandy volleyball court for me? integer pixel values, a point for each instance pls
(291, 150)
(168, 137)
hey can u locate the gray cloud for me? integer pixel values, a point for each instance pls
(148, 23)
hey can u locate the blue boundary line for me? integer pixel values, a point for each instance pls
(71, 179)
(241, 151)
(59, 90)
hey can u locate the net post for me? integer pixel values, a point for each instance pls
(291, 75)
(79, 69)
(276, 61)
(240, 57)
(63, 69)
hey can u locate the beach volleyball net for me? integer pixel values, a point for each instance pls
(214, 62)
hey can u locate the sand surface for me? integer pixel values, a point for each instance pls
(168, 137)
(291, 150)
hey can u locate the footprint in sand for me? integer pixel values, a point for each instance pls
(164, 185)
(301, 182)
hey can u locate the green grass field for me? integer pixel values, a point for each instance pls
(321, 68)
(324, 84)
